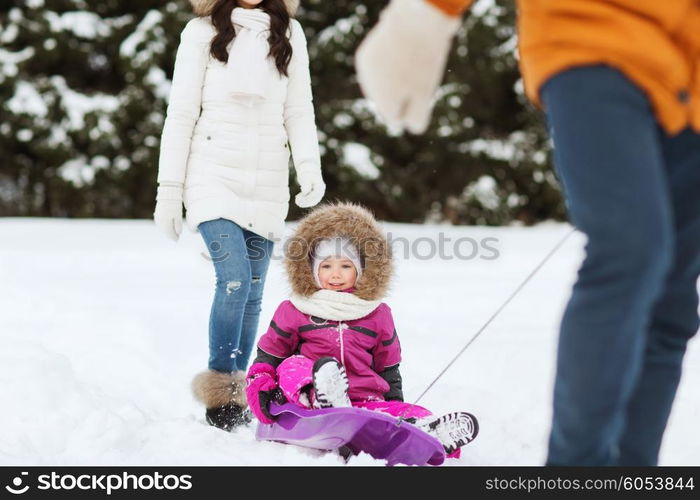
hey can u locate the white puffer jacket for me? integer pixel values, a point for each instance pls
(234, 159)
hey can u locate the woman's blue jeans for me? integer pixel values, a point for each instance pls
(241, 260)
(634, 191)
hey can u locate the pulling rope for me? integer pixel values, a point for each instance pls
(498, 311)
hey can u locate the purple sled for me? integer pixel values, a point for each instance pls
(378, 434)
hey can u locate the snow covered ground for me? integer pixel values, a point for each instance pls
(103, 323)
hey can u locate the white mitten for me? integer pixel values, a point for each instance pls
(168, 212)
(401, 61)
(312, 187)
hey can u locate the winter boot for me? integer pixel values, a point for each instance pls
(229, 416)
(330, 384)
(223, 394)
(453, 430)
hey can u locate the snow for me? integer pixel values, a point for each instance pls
(103, 323)
(359, 157)
(76, 171)
(10, 60)
(158, 80)
(483, 190)
(58, 136)
(27, 100)
(122, 163)
(15, 15)
(81, 24)
(338, 31)
(87, 173)
(9, 34)
(86, 25)
(24, 135)
(482, 7)
(78, 105)
(134, 47)
(495, 148)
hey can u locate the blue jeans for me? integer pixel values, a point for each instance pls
(241, 259)
(635, 192)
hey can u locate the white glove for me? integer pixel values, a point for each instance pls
(401, 61)
(168, 212)
(312, 187)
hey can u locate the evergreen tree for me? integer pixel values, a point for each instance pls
(84, 86)
(485, 158)
(83, 92)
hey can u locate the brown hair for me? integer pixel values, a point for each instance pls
(280, 48)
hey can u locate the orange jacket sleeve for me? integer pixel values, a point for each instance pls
(452, 7)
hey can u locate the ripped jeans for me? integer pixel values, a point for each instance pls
(241, 259)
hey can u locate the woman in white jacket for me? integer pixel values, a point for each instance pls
(240, 99)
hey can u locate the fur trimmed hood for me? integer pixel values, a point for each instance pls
(351, 221)
(203, 7)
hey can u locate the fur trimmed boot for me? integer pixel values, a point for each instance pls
(223, 394)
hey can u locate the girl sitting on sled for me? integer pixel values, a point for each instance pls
(333, 343)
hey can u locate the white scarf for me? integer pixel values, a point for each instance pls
(249, 70)
(333, 305)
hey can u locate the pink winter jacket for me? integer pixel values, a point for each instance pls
(365, 346)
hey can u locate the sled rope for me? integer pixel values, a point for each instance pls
(498, 311)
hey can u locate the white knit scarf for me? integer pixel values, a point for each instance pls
(334, 305)
(249, 70)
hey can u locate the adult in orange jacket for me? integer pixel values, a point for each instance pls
(619, 81)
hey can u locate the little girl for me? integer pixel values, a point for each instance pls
(333, 343)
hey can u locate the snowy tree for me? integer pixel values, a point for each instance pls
(84, 88)
(84, 91)
(485, 158)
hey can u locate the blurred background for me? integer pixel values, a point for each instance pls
(84, 88)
